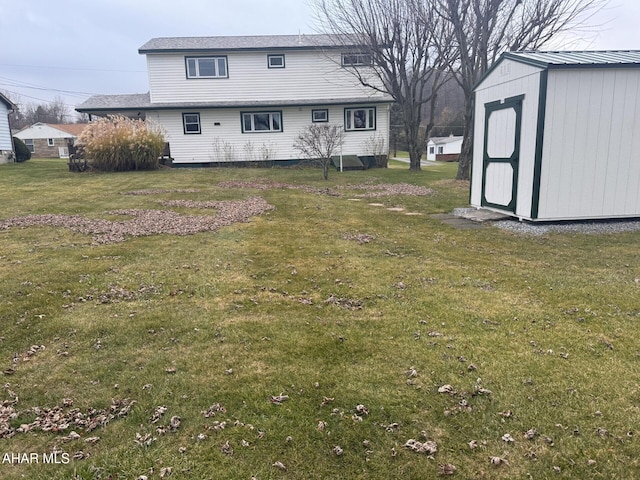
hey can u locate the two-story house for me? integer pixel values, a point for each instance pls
(224, 100)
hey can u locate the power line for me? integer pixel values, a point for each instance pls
(17, 83)
(71, 68)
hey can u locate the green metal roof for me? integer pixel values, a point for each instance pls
(579, 59)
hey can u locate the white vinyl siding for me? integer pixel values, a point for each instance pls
(308, 75)
(222, 139)
(5, 133)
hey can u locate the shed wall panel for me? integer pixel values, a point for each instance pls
(227, 143)
(509, 80)
(591, 149)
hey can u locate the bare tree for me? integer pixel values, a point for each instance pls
(484, 29)
(398, 38)
(319, 143)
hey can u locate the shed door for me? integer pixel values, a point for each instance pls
(501, 153)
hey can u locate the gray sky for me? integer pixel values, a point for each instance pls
(76, 48)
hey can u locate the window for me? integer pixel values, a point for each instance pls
(207, 67)
(432, 150)
(51, 142)
(29, 143)
(259, 122)
(360, 118)
(191, 122)
(275, 61)
(319, 115)
(440, 150)
(356, 59)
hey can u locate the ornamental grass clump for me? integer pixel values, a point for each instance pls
(117, 144)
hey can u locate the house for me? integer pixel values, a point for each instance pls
(46, 140)
(446, 149)
(7, 154)
(557, 136)
(232, 100)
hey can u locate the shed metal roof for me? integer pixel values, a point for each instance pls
(256, 42)
(573, 59)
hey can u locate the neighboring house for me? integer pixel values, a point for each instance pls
(556, 136)
(7, 154)
(446, 149)
(225, 100)
(47, 140)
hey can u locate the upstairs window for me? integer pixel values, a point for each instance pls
(359, 119)
(207, 67)
(191, 123)
(260, 122)
(275, 61)
(356, 59)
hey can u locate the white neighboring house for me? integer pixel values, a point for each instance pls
(226, 100)
(557, 137)
(6, 143)
(46, 140)
(444, 148)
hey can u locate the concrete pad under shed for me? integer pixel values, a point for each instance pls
(479, 215)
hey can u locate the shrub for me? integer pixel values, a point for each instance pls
(117, 144)
(22, 151)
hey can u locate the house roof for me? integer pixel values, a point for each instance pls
(256, 42)
(444, 140)
(573, 59)
(10, 105)
(142, 102)
(72, 128)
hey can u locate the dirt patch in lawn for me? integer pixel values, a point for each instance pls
(150, 222)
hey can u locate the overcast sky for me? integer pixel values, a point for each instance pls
(76, 48)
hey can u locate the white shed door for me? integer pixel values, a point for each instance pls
(501, 153)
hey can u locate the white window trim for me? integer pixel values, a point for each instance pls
(51, 142)
(185, 123)
(196, 64)
(30, 144)
(270, 57)
(251, 115)
(349, 120)
(356, 59)
(320, 120)
(432, 149)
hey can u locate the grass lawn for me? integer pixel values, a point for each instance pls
(312, 341)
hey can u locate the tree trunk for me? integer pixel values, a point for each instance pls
(466, 152)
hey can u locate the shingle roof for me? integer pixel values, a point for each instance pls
(119, 103)
(257, 42)
(572, 59)
(10, 105)
(71, 128)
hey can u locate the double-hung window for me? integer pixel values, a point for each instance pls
(359, 119)
(191, 123)
(207, 67)
(29, 143)
(259, 122)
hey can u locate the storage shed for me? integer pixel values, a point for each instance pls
(557, 136)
